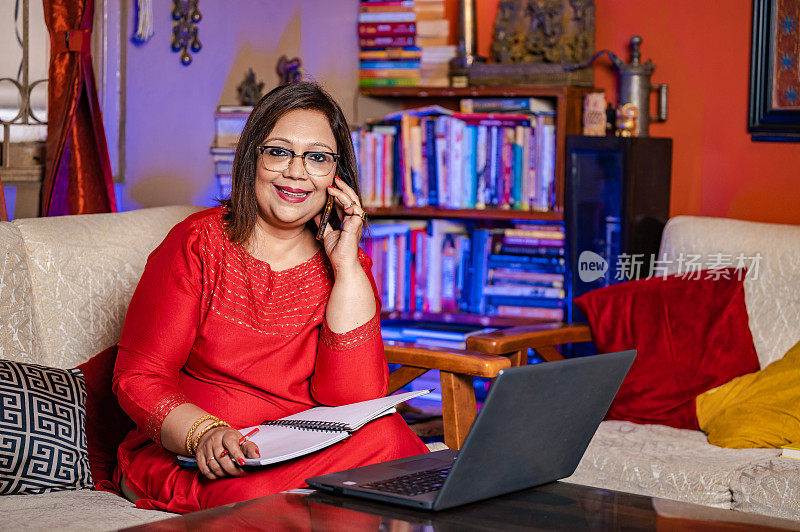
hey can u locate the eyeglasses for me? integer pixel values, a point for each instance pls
(316, 163)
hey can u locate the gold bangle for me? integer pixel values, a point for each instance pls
(205, 429)
(194, 428)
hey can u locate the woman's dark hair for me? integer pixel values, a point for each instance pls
(242, 207)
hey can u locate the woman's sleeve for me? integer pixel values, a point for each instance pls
(159, 331)
(351, 366)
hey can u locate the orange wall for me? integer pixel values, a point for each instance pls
(702, 51)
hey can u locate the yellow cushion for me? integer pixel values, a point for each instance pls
(760, 409)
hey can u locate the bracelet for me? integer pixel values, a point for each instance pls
(194, 428)
(217, 423)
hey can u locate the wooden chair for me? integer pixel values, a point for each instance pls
(542, 338)
(457, 369)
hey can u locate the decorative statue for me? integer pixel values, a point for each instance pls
(594, 114)
(289, 70)
(628, 121)
(249, 90)
(549, 31)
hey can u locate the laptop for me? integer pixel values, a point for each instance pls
(533, 429)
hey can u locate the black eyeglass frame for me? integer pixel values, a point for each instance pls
(303, 156)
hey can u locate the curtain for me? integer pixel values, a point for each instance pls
(3, 211)
(77, 170)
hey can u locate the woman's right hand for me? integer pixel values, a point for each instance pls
(210, 447)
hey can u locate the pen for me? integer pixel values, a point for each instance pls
(241, 441)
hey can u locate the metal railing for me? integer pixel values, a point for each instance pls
(25, 115)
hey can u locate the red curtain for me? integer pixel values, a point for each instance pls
(3, 211)
(78, 171)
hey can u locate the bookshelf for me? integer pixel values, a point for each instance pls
(568, 104)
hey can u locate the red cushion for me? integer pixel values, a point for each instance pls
(106, 423)
(690, 335)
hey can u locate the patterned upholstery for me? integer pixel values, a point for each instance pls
(83, 289)
(769, 487)
(663, 462)
(19, 339)
(773, 296)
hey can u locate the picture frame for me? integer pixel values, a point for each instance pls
(774, 107)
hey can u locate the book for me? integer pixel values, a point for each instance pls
(386, 42)
(387, 16)
(313, 429)
(791, 451)
(409, 52)
(495, 105)
(388, 29)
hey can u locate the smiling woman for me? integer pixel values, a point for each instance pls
(242, 315)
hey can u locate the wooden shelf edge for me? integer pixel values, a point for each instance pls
(482, 214)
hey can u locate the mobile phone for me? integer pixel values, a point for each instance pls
(326, 215)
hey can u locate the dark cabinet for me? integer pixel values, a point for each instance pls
(616, 205)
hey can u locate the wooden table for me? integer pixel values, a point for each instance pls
(555, 506)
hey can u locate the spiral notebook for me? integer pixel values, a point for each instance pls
(313, 429)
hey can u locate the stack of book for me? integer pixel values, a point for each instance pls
(443, 266)
(229, 121)
(465, 160)
(519, 271)
(433, 34)
(387, 32)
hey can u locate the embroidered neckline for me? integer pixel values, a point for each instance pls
(314, 259)
(251, 261)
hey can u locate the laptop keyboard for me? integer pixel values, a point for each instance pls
(413, 483)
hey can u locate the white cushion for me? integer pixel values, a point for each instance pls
(82, 289)
(773, 295)
(662, 461)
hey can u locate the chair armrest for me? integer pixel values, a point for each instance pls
(513, 339)
(450, 360)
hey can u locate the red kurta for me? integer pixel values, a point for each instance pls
(211, 325)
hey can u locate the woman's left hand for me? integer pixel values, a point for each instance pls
(342, 245)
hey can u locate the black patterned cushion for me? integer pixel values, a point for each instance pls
(42, 429)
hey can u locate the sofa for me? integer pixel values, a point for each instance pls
(65, 285)
(680, 464)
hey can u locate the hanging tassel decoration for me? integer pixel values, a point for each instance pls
(144, 27)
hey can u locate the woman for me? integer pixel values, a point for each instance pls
(242, 315)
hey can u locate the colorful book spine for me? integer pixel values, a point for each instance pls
(520, 290)
(380, 42)
(386, 6)
(410, 53)
(386, 16)
(510, 311)
(392, 29)
(500, 105)
(401, 64)
(388, 82)
(431, 159)
(532, 241)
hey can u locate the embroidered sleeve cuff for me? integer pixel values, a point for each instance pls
(160, 412)
(351, 339)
